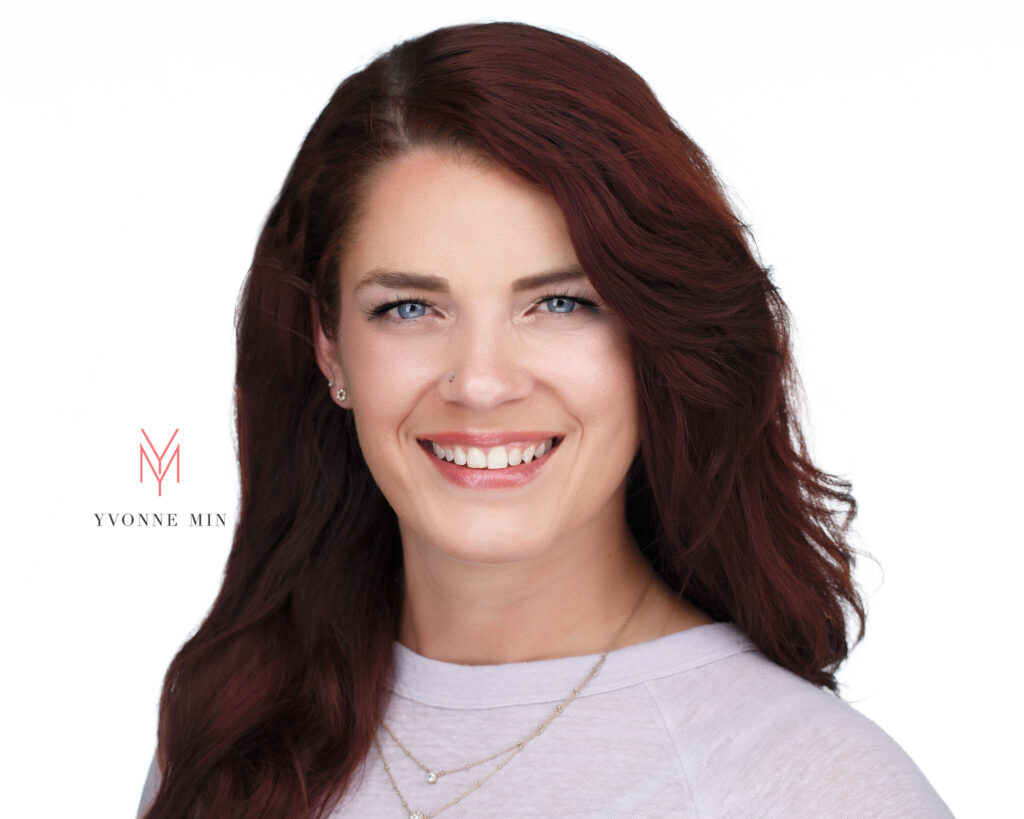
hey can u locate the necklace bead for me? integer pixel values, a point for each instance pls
(431, 777)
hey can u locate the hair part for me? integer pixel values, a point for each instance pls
(269, 709)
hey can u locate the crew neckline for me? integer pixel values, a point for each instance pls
(451, 685)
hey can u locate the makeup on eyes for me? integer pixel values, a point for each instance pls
(380, 309)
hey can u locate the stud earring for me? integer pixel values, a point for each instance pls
(341, 394)
(330, 382)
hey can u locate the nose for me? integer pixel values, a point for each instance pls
(489, 364)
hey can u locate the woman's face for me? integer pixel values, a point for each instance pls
(494, 394)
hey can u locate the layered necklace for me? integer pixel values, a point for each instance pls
(510, 752)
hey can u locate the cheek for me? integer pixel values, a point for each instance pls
(603, 381)
(386, 382)
(383, 372)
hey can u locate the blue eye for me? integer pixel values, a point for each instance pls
(561, 304)
(400, 310)
(410, 310)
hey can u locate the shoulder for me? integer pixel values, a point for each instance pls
(755, 739)
(149, 787)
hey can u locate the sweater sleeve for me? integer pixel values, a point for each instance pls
(758, 741)
(149, 789)
(835, 762)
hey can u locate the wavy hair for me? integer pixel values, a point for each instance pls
(269, 709)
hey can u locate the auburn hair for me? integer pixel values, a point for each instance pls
(269, 709)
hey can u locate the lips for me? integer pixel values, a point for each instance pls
(490, 460)
(495, 457)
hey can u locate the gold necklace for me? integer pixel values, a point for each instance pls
(433, 774)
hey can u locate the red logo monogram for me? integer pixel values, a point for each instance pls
(161, 469)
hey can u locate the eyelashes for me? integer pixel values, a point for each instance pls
(559, 300)
(410, 306)
(582, 301)
(379, 309)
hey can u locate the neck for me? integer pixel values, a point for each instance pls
(572, 600)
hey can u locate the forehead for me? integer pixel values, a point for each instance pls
(459, 217)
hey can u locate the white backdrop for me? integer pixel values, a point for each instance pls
(874, 148)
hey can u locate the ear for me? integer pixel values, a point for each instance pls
(326, 350)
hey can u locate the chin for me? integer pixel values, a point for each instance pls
(489, 547)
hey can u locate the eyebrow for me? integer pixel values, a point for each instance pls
(542, 279)
(398, 280)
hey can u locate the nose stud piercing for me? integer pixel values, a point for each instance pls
(451, 377)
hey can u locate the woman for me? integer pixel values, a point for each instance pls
(527, 524)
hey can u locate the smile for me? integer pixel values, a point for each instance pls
(499, 460)
(496, 457)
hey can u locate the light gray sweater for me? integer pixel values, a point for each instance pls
(696, 724)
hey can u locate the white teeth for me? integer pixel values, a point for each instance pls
(495, 458)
